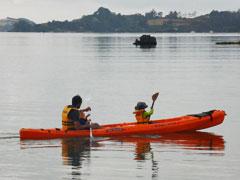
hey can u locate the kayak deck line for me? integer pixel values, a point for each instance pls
(161, 126)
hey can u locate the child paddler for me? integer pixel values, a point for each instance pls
(141, 115)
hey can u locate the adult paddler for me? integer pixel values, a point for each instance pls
(74, 118)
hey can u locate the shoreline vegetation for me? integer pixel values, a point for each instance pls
(105, 21)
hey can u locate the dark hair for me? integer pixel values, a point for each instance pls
(76, 101)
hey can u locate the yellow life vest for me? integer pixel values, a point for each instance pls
(67, 124)
(139, 116)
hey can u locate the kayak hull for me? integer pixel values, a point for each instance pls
(172, 125)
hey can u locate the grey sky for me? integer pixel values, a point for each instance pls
(47, 10)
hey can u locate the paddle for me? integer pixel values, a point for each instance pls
(88, 98)
(154, 97)
(90, 128)
(91, 134)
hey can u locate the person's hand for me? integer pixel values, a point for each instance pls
(88, 109)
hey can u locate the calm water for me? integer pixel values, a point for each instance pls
(39, 73)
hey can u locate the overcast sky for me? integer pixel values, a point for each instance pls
(48, 10)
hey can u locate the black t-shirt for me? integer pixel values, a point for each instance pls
(74, 115)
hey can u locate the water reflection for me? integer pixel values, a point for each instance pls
(210, 143)
(75, 150)
(142, 150)
(187, 140)
(148, 150)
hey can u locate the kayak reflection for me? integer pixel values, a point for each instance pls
(187, 140)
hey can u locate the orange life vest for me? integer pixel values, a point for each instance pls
(67, 124)
(139, 116)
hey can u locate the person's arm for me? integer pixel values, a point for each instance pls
(82, 113)
(74, 116)
(85, 110)
(147, 113)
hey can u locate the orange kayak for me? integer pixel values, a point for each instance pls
(185, 123)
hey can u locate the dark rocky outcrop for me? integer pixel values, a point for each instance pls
(146, 41)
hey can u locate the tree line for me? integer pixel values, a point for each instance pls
(103, 20)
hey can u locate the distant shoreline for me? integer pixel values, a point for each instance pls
(105, 21)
